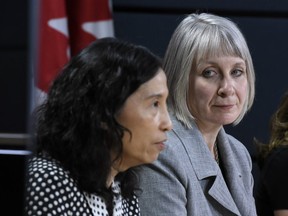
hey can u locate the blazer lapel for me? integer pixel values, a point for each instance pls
(233, 173)
(204, 165)
(222, 195)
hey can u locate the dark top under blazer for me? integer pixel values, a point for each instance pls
(272, 188)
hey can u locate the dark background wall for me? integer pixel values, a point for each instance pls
(14, 97)
(264, 23)
(14, 55)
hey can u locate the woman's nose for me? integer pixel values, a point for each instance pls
(226, 87)
(166, 121)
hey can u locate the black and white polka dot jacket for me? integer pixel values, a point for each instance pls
(50, 191)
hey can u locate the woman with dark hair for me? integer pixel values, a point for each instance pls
(105, 113)
(271, 194)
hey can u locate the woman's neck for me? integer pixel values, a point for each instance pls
(209, 133)
(111, 177)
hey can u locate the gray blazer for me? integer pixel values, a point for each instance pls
(187, 181)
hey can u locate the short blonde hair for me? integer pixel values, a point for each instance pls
(200, 36)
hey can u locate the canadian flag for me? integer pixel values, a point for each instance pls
(65, 27)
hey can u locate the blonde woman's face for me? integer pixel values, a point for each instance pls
(218, 90)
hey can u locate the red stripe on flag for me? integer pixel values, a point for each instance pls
(53, 43)
(81, 12)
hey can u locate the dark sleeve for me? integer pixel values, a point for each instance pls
(276, 180)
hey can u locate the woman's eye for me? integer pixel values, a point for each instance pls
(237, 72)
(156, 104)
(208, 73)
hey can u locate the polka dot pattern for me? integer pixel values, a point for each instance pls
(50, 191)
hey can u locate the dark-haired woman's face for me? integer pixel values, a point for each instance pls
(145, 115)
